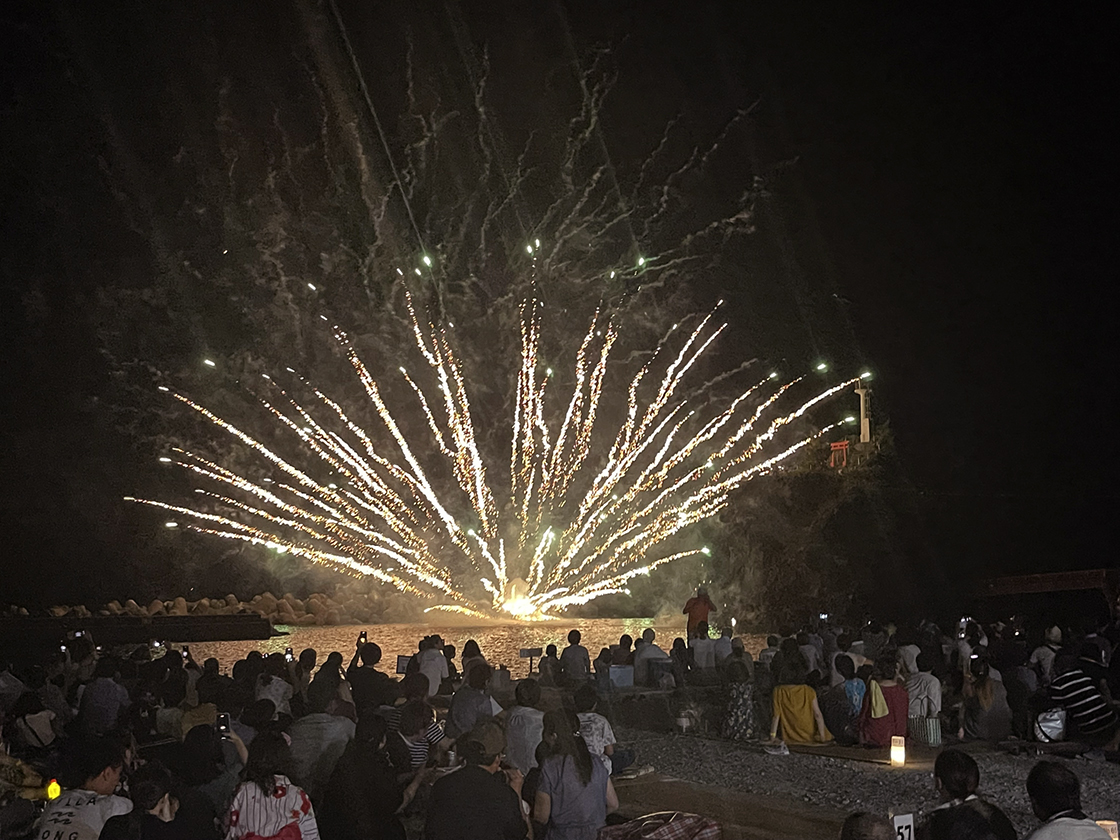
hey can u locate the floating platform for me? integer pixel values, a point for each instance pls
(29, 636)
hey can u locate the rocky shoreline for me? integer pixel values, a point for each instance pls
(356, 603)
(847, 786)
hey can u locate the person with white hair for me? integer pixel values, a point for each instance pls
(642, 656)
(1042, 659)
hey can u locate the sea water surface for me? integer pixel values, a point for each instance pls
(500, 643)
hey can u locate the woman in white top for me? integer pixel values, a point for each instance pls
(273, 684)
(267, 804)
(32, 725)
(472, 655)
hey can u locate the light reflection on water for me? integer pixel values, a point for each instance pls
(500, 643)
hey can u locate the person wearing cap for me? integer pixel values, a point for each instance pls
(697, 609)
(480, 801)
(1042, 659)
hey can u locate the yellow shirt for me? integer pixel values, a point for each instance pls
(207, 714)
(793, 707)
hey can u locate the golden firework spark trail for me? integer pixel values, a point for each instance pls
(576, 526)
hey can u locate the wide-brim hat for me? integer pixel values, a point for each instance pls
(489, 735)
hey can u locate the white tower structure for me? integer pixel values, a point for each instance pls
(864, 416)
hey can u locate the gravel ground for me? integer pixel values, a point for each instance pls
(856, 785)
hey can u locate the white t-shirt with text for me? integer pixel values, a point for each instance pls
(80, 815)
(597, 734)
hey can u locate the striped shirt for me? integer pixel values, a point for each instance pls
(419, 749)
(1077, 694)
(434, 733)
(286, 812)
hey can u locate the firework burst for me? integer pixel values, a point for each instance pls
(584, 510)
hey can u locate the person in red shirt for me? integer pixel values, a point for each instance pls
(697, 609)
(885, 705)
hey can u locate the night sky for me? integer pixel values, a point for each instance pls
(942, 209)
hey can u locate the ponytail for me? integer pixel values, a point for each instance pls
(564, 725)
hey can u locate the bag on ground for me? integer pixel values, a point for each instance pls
(1050, 726)
(667, 825)
(925, 731)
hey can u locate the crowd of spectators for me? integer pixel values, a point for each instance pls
(826, 683)
(147, 743)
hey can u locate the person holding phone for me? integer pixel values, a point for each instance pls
(369, 686)
(300, 669)
(104, 700)
(211, 763)
(80, 659)
(331, 674)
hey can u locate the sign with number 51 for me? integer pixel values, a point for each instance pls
(904, 827)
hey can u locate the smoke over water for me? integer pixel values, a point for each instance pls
(326, 179)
